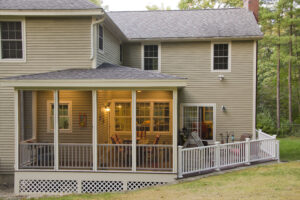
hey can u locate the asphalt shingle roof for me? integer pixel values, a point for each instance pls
(104, 71)
(47, 5)
(205, 23)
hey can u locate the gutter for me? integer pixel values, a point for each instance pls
(78, 12)
(95, 83)
(180, 39)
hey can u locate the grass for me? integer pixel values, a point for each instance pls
(289, 148)
(276, 181)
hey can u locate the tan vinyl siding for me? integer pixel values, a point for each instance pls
(132, 55)
(81, 104)
(53, 43)
(111, 49)
(193, 61)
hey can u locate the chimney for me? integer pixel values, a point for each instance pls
(252, 5)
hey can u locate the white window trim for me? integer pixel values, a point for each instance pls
(212, 57)
(15, 60)
(182, 105)
(100, 50)
(159, 56)
(49, 130)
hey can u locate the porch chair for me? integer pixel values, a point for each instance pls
(150, 150)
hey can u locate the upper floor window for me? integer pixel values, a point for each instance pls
(11, 40)
(151, 57)
(100, 37)
(221, 57)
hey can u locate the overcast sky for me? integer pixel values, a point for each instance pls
(119, 5)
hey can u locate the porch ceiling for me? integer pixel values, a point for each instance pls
(106, 75)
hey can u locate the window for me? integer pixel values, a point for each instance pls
(121, 53)
(64, 116)
(122, 117)
(151, 57)
(200, 119)
(221, 57)
(161, 117)
(100, 37)
(11, 40)
(143, 119)
(153, 116)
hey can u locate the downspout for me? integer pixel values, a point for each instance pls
(93, 26)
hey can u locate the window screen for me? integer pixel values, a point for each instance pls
(220, 56)
(11, 40)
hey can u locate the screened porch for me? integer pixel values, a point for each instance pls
(97, 130)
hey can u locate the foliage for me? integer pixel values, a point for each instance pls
(201, 4)
(100, 3)
(282, 16)
(155, 7)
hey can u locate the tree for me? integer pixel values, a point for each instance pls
(155, 7)
(100, 3)
(278, 64)
(201, 4)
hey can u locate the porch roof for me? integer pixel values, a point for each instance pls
(105, 75)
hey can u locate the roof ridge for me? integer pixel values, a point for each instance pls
(205, 9)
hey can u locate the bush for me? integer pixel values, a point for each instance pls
(266, 123)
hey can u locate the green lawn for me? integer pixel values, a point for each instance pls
(289, 148)
(275, 181)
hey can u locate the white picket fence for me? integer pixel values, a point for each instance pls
(219, 156)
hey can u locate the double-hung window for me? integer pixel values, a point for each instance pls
(64, 116)
(100, 38)
(151, 57)
(221, 57)
(123, 116)
(11, 40)
(153, 116)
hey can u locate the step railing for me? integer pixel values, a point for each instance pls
(218, 156)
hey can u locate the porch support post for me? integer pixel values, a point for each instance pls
(175, 132)
(94, 130)
(16, 95)
(56, 127)
(133, 129)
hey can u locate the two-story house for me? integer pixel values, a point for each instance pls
(93, 101)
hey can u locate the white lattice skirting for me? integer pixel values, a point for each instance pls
(49, 183)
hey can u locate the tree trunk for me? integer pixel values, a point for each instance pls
(278, 79)
(290, 68)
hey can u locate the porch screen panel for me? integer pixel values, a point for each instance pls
(199, 119)
(75, 129)
(114, 129)
(154, 130)
(36, 148)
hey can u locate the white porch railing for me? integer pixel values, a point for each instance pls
(114, 156)
(154, 157)
(36, 155)
(75, 156)
(195, 160)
